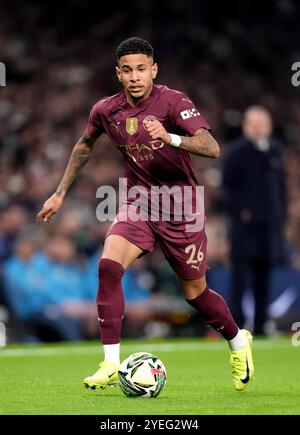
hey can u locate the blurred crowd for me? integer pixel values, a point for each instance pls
(59, 63)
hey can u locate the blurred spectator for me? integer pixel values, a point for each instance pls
(12, 221)
(255, 196)
(45, 291)
(22, 280)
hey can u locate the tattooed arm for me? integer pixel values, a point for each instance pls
(201, 143)
(80, 155)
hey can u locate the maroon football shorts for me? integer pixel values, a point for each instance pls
(185, 251)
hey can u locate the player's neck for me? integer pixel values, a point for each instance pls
(137, 101)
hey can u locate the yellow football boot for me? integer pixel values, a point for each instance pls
(107, 374)
(242, 363)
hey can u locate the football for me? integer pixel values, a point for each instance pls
(142, 374)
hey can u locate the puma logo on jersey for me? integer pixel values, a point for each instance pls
(116, 125)
(189, 113)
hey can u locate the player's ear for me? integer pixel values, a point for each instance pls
(118, 72)
(154, 70)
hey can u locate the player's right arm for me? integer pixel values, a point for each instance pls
(81, 153)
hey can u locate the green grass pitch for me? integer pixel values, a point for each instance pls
(47, 379)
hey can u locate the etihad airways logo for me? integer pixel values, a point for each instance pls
(142, 152)
(152, 146)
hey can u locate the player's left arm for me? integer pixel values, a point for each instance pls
(200, 143)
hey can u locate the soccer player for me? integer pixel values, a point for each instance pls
(155, 128)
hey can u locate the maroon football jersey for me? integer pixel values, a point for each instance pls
(149, 162)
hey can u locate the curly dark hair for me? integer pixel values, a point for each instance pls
(134, 45)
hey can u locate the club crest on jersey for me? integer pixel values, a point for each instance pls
(149, 118)
(131, 125)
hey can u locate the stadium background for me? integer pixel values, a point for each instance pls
(59, 62)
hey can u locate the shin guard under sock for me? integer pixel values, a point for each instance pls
(110, 301)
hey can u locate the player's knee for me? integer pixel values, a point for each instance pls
(193, 288)
(110, 276)
(110, 270)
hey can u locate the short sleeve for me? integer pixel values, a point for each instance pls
(94, 125)
(186, 116)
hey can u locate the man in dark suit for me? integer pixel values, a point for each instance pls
(254, 192)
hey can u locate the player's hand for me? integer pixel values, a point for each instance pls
(158, 131)
(50, 207)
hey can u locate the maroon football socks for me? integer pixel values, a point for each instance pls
(214, 310)
(110, 301)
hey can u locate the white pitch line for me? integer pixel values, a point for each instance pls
(127, 348)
